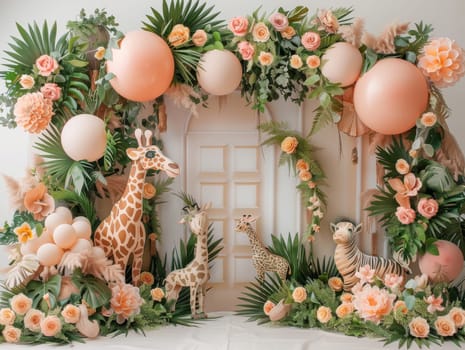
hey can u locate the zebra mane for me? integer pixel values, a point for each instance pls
(344, 219)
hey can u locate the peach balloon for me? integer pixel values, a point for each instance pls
(65, 236)
(342, 63)
(32, 245)
(49, 254)
(143, 66)
(219, 72)
(444, 267)
(84, 137)
(391, 96)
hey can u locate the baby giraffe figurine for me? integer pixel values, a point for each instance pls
(196, 274)
(263, 260)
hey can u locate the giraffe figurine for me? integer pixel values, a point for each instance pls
(196, 274)
(122, 233)
(263, 260)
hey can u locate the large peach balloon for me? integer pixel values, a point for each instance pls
(444, 267)
(342, 63)
(219, 72)
(84, 138)
(391, 96)
(143, 66)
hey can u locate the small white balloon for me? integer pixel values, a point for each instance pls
(84, 138)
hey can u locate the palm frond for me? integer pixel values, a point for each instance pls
(323, 269)
(389, 155)
(81, 202)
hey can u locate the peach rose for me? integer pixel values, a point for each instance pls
(147, 278)
(100, 53)
(71, 313)
(295, 62)
(311, 41)
(405, 215)
(157, 294)
(11, 334)
(39, 202)
(344, 309)
(313, 61)
(199, 38)
(238, 26)
(7, 316)
(419, 327)
(24, 233)
(125, 301)
(428, 207)
(311, 184)
(260, 32)
(346, 297)
(428, 119)
(179, 35)
(413, 153)
(246, 50)
(50, 326)
(268, 306)
(299, 294)
(26, 81)
(289, 144)
(265, 58)
(21, 304)
(316, 228)
(305, 175)
(149, 191)
(302, 165)
(323, 314)
(51, 91)
(328, 21)
(402, 167)
(335, 283)
(46, 65)
(401, 307)
(279, 21)
(457, 315)
(33, 112)
(32, 320)
(445, 326)
(288, 33)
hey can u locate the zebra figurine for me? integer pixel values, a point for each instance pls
(349, 259)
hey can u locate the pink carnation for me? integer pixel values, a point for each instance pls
(46, 65)
(238, 25)
(279, 21)
(33, 112)
(51, 91)
(311, 41)
(428, 207)
(405, 215)
(246, 50)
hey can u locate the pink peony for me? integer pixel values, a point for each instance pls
(238, 25)
(51, 91)
(33, 112)
(393, 281)
(443, 61)
(365, 274)
(405, 215)
(373, 303)
(46, 65)
(311, 41)
(125, 301)
(428, 207)
(246, 50)
(279, 21)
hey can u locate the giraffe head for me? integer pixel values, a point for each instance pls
(245, 222)
(150, 156)
(197, 219)
(344, 231)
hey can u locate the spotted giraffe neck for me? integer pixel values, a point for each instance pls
(257, 246)
(135, 185)
(201, 247)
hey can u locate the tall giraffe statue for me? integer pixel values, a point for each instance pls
(196, 274)
(122, 233)
(263, 260)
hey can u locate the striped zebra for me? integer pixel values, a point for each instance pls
(349, 259)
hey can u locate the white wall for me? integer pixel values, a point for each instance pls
(445, 16)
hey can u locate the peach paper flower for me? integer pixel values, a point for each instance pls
(373, 303)
(238, 26)
(428, 207)
(39, 202)
(265, 58)
(33, 112)
(7, 316)
(20, 304)
(11, 334)
(405, 215)
(125, 301)
(26, 81)
(51, 91)
(246, 50)
(344, 309)
(179, 35)
(32, 320)
(157, 294)
(443, 61)
(323, 314)
(299, 294)
(445, 326)
(260, 32)
(311, 41)
(24, 233)
(428, 119)
(365, 274)
(313, 61)
(295, 62)
(199, 38)
(279, 21)
(419, 327)
(288, 33)
(268, 306)
(457, 315)
(434, 304)
(71, 313)
(289, 144)
(46, 65)
(405, 189)
(402, 166)
(50, 326)
(327, 21)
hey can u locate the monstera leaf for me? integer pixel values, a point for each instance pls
(437, 178)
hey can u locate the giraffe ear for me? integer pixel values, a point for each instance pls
(132, 153)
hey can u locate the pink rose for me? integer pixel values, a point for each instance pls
(246, 50)
(199, 38)
(428, 207)
(46, 65)
(238, 25)
(279, 21)
(405, 215)
(51, 91)
(311, 41)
